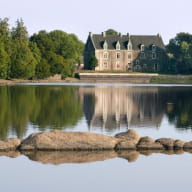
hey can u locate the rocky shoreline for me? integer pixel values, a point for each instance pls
(57, 140)
(56, 147)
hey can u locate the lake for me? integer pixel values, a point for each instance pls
(152, 110)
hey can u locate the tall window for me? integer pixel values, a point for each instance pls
(142, 55)
(105, 55)
(118, 55)
(105, 64)
(154, 56)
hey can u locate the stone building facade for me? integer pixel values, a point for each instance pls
(125, 52)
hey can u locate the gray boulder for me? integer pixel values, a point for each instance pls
(59, 140)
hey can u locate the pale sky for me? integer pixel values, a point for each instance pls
(138, 17)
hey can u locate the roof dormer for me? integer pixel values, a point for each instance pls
(118, 47)
(142, 48)
(105, 45)
(153, 48)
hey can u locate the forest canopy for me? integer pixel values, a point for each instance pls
(39, 56)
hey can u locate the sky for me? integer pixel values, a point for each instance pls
(138, 17)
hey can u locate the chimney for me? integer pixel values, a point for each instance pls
(90, 34)
(104, 34)
(119, 34)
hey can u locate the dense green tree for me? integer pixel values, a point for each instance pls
(42, 69)
(5, 48)
(61, 51)
(20, 31)
(22, 60)
(93, 62)
(111, 32)
(4, 62)
(180, 49)
(24, 57)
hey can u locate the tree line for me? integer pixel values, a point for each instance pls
(38, 56)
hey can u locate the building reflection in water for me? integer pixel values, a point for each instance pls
(111, 107)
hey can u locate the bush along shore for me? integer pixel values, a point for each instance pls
(63, 147)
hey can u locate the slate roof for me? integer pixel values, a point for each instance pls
(136, 40)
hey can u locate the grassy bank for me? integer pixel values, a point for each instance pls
(172, 79)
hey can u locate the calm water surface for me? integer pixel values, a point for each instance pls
(155, 111)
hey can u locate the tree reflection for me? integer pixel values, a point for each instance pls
(179, 109)
(43, 106)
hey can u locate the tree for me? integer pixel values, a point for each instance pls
(24, 56)
(42, 69)
(93, 62)
(5, 48)
(20, 31)
(60, 50)
(180, 48)
(111, 32)
(22, 61)
(4, 60)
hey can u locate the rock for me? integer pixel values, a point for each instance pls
(130, 136)
(178, 144)
(9, 144)
(147, 143)
(125, 145)
(187, 145)
(60, 157)
(168, 143)
(60, 140)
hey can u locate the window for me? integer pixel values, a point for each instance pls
(137, 62)
(129, 65)
(138, 67)
(153, 48)
(105, 64)
(142, 55)
(118, 45)
(154, 56)
(105, 55)
(142, 48)
(129, 55)
(118, 55)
